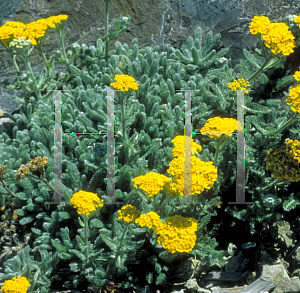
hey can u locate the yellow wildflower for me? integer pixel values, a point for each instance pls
(86, 202)
(129, 213)
(124, 82)
(179, 142)
(259, 25)
(152, 183)
(294, 98)
(204, 174)
(297, 75)
(149, 220)
(285, 162)
(16, 285)
(177, 234)
(221, 125)
(241, 84)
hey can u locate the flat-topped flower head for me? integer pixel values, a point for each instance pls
(259, 25)
(11, 30)
(297, 20)
(285, 162)
(149, 220)
(204, 174)
(179, 149)
(297, 75)
(177, 234)
(15, 285)
(86, 202)
(294, 98)
(124, 82)
(241, 84)
(57, 19)
(35, 30)
(129, 213)
(220, 125)
(279, 39)
(152, 183)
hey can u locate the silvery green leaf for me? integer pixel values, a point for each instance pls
(80, 222)
(263, 79)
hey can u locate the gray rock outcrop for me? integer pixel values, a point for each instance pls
(157, 22)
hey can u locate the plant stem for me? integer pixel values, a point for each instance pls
(85, 237)
(112, 264)
(292, 119)
(106, 32)
(123, 124)
(144, 196)
(15, 63)
(164, 202)
(38, 94)
(63, 49)
(269, 185)
(262, 45)
(219, 148)
(260, 69)
(123, 119)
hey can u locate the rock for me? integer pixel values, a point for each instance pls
(153, 23)
(288, 286)
(274, 273)
(186, 268)
(234, 262)
(297, 257)
(191, 285)
(281, 231)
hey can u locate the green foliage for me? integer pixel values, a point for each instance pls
(150, 128)
(37, 272)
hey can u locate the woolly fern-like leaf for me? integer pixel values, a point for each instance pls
(290, 203)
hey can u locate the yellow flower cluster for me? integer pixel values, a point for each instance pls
(297, 19)
(129, 213)
(149, 220)
(221, 125)
(179, 150)
(37, 163)
(297, 74)
(177, 234)
(276, 35)
(124, 82)
(285, 162)
(294, 98)
(152, 183)
(16, 285)
(240, 84)
(204, 174)
(31, 31)
(259, 25)
(280, 39)
(294, 94)
(86, 202)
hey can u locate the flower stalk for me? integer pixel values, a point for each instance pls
(286, 124)
(86, 237)
(219, 148)
(106, 32)
(112, 264)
